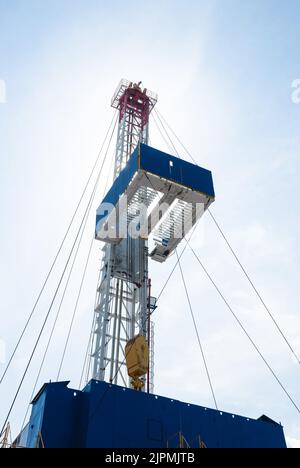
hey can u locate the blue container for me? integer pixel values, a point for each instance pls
(152, 162)
(109, 416)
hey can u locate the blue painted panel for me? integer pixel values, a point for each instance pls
(120, 184)
(177, 170)
(109, 416)
(161, 164)
(61, 415)
(55, 414)
(36, 421)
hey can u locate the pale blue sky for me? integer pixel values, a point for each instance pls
(223, 70)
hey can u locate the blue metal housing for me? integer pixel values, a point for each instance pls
(179, 171)
(108, 416)
(163, 195)
(162, 165)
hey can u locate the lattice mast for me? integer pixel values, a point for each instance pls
(122, 306)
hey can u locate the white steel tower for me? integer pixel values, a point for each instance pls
(123, 295)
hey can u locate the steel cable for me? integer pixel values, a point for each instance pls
(86, 213)
(55, 258)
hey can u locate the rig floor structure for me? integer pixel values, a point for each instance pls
(108, 416)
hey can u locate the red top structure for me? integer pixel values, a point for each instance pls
(134, 105)
(134, 102)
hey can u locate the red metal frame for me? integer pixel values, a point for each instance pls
(135, 105)
(134, 102)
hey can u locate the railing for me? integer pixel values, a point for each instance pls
(183, 443)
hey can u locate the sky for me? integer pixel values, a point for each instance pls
(224, 72)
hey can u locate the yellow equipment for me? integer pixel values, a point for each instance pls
(137, 360)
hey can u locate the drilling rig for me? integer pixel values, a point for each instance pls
(154, 201)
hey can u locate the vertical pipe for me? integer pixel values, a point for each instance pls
(114, 334)
(149, 334)
(117, 370)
